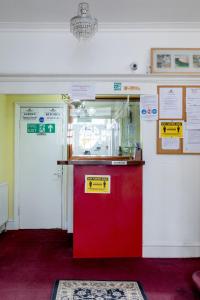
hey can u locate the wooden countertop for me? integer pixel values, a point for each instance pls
(102, 162)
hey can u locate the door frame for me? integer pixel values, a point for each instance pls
(18, 106)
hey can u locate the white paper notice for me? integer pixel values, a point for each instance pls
(193, 108)
(191, 141)
(149, 107)
(170, 104)
(82, 91)
(170, 144)
(193, 120)
(192, 99)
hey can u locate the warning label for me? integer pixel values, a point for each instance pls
(171, 129)
(97, 184)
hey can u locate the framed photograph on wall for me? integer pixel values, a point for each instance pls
(175, 60)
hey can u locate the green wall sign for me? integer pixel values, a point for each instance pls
(41, 128)
(117, 86)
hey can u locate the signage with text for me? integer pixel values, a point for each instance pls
(97, 184)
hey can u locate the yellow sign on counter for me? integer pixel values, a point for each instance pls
(97, 184)
(171, 129)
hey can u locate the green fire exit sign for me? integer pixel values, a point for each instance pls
(41, 128)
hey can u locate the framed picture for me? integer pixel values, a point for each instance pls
(175, 60)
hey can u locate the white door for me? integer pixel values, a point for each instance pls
(40, 178)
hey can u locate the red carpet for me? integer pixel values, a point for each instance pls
(31, 260)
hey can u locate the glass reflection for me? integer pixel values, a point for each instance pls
(104, 128)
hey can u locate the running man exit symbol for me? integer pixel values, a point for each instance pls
(41, 128)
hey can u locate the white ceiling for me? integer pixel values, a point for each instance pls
(106, 11)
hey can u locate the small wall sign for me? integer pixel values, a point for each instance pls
(40, 128)
(117, 86)
(97, 184)
(171, 129)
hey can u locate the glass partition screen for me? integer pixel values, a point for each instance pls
(103, 128)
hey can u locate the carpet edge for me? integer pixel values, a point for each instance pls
(141, 289)
(54, 291)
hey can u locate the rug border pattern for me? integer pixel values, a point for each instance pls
(56, 284)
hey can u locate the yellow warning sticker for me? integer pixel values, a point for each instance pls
(171, 129)
(97, 184)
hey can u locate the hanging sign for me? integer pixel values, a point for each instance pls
(170, 129)
(97, 184)
(40, 128)
(82, 92)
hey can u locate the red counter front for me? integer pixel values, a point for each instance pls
(108, 225)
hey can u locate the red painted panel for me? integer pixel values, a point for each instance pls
(108, 225)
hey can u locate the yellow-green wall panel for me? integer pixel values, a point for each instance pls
(3, 138)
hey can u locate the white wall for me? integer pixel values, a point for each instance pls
(171, 202)
(109, 52)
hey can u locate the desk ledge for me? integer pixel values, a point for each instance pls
(102, 162)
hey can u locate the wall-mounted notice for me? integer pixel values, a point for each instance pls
(117, 86)
(40, 128)
(171, 129)
(193, 108)
(170, 143)
(191, 141)
(82, 91)
(149, 107)
(97, 184)
(29, 113)
(53, 113)
(170, 103)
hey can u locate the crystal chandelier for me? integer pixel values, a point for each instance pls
(83, 26)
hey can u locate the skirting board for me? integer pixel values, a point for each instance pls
(171, 251)
(149, 251)
(11, 225)
(2, 228)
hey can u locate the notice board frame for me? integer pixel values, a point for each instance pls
(184, 119)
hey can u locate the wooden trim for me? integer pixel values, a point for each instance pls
(175, 49)
(87, 157)
(118, 97)
(99, 162)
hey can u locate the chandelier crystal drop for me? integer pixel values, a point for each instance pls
(83, 26)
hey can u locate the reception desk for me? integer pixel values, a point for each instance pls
(107, 208)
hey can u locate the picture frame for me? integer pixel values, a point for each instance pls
(175, 61)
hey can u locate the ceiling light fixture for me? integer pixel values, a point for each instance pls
(83, 26)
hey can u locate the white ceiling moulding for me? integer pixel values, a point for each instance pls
(63, 78)
(102, 27)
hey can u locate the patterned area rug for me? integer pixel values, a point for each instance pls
(97, 290)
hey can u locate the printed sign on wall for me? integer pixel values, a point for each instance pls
(171, 129)
(40, 128)
(97, 184)
(149, 107)
(29, 113)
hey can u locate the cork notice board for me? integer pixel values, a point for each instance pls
(178, 125)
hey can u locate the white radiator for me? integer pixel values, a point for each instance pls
(3, 204)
